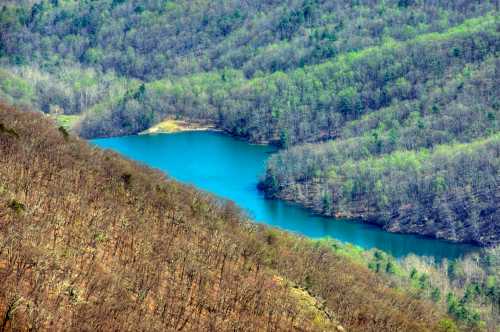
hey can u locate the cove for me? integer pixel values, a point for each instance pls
(230, 168)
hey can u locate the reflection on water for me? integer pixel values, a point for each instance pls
(230, 168)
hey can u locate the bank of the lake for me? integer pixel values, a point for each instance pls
(169, 126)
(230, 168)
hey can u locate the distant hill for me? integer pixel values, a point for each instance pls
(265, 70)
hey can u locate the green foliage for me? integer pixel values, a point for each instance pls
(390, 268)
(297, 71)
(17, 206)
(460, 311)
(9, 131)
(403, 163)
(67, 121)
(64, 132)
(436, 294)
(447, 325)
(468, 297)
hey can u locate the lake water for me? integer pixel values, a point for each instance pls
(231, 168)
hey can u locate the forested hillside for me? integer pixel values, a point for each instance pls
(402, 167)
(450, 192)
(152, 39)
(89, 240)
(269, 71)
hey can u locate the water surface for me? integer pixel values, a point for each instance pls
(231, 168)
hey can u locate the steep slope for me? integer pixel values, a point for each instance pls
(91, 241)
(450, 192)
(389, 166)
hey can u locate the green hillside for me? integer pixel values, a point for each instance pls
(267, 71)
(403, 166)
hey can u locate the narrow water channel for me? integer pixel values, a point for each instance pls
(231, 168)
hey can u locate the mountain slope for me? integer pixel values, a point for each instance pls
(264, 70)
(309, 103)
(153, 39)
(402, 168)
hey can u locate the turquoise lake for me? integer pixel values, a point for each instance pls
(231, 168)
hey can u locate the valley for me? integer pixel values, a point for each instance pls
(229, 165)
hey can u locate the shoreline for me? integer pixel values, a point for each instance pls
(169, 126)
(172, 126)
(372, 220)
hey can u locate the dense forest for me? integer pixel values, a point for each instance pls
(428, 171)
(427, 165)
(285, 72)
(89, 240)
(449, 192)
